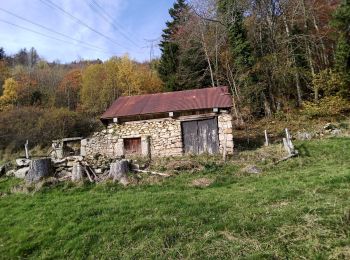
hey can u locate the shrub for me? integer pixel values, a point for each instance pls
(327, 106)
(41, 126)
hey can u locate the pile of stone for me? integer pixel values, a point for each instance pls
(76, 169)
(21, 169)
(330, 128)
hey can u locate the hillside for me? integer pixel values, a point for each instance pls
(297, 209)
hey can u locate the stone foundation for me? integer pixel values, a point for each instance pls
(159, 137)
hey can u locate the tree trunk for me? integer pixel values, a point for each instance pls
(39, 169)
(77, 172)
(118, 171)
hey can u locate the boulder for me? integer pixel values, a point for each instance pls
(22, 162)
(251, 169)
(21, 173)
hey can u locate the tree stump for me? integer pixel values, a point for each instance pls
(38, 169)
(77, 172)
(119, 170)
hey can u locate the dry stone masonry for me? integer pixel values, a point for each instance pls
(159, 137)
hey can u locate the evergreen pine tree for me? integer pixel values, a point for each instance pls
(169, 61)
(341, 21)
(237, 35)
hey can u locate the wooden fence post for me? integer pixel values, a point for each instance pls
(266, 138)
(26, 149)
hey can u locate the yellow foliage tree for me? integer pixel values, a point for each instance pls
(10, 94)
(103, 83)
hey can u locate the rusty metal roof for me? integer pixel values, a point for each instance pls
(195, 99)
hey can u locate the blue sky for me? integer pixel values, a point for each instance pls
(134, 22)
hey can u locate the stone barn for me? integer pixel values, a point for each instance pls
(165, 124)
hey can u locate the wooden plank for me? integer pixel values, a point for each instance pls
(190, 136)
(208, 136)
(200, 136)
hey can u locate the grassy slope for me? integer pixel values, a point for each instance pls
(299, 208)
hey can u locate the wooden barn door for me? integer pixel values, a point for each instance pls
(201, 136)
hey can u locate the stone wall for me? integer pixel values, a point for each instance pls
(159, 137)
(225, 132)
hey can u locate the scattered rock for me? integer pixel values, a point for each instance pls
(303, 136)
(75, 158)
(21, 173)
(10, 173)
(98, 171)
(336, 132)
(202, 182)
(22, 162)
(252, 169)
(329, 126)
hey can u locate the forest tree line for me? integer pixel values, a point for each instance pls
(41, 100)
(276, 55)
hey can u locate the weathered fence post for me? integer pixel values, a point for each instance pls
(287, 143)
(266, 138)
(26, 149)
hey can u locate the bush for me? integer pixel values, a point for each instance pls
(41, 126)
(327, 106)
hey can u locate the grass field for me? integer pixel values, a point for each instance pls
(298, 209)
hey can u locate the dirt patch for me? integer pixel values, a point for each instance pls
(202, 182)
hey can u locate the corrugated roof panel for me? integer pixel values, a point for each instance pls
(170, 102)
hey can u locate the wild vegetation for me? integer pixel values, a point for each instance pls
(275, 55)
(297, 209)
(41, 101)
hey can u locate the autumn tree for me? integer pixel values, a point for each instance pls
(68, 90)
(104, 83)
(10, 94)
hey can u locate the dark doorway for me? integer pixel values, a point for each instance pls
(200, 136)
(132, 146)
